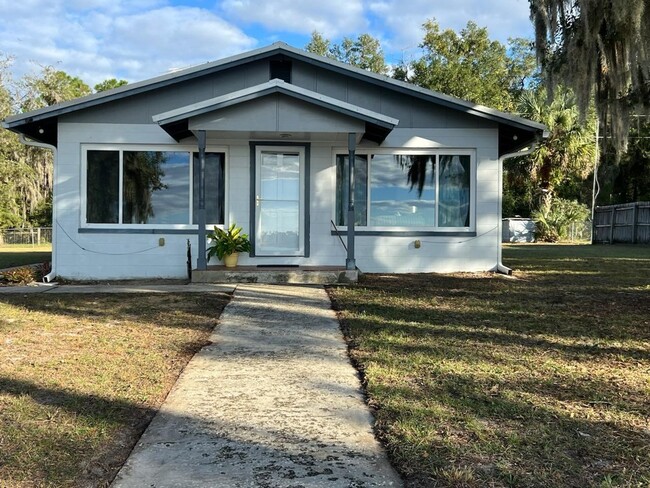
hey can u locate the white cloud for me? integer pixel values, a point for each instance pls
(332, 18)
(99, 39)
(138, 39)
(402, 22)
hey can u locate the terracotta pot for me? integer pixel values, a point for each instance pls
(230, 261)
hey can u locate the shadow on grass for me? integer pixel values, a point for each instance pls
(72, 404)
(55, 444)
(535, 381)
(13, 259)
(179, 310)
(498, 438)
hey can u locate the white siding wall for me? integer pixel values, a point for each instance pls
(107, 256)
(120, 256)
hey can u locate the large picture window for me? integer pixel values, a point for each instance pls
(420, 191)
(152, 187)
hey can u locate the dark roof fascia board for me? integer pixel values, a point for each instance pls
(261, 53)
(414, 90)
(275, 86)
(138, 87)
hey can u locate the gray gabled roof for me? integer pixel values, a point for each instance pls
(26, 120)
(378, 125)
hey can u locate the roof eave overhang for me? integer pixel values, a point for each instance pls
(176, 122)
(514, 139)
(17, 122)
(45, 131)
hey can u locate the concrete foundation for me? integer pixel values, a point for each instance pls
(275, 275)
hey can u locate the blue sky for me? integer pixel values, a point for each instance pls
(139, 39)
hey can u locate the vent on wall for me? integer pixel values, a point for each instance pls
(280, 68)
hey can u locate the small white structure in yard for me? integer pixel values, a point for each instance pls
(517, 229)
(305, 153)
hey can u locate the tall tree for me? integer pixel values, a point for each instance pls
(632, 183)
(566, 156)
(601, 50)
(52, 87)
(318, 44)
(471, 66)
(9, 150)
(364, 52)
(26, 172)
(109, 84)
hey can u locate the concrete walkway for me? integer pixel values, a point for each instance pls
(272, 402)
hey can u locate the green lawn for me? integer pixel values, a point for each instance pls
(18, 255)
(537, 380)
(81, 376)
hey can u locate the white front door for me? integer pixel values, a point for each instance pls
(279, 201)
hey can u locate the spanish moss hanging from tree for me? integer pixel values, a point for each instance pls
(601, 50)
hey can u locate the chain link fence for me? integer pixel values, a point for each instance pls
(524, 230)
(580, 231)
(34, 236)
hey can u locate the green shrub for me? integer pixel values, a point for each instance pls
(555, 216)
(20, 276)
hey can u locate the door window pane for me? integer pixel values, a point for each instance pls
(360, 189)
(279, 226)
(156, 187)
(454, 181)
(402, 190)
(102, 187)
(280, 176)
(215, 188)
(278, 203)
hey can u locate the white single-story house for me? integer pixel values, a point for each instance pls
(265, 139)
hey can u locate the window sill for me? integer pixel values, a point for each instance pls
(407, 233)
(125, 230)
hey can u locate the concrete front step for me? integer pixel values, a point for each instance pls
(275, 275)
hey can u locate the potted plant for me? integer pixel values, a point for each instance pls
(226, 244)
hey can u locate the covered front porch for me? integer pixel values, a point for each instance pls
(274, 202)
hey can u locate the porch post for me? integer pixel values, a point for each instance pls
(201, 262)
(352, 142)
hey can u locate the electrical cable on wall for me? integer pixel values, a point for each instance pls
(101, 252)
(463, 240)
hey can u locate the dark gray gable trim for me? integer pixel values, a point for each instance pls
(275, 86)
(138, 87)
(253, 149)
(175, 122)
(277, 48)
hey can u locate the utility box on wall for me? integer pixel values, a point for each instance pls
(518, 229)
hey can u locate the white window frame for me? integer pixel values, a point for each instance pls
(147, 147)
(368, 152)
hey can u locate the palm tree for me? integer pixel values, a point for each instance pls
(569, 151)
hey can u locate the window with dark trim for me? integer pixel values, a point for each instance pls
(419, 191)
(152, 187)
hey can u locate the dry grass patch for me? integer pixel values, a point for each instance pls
(82, 375)
(540, 380)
